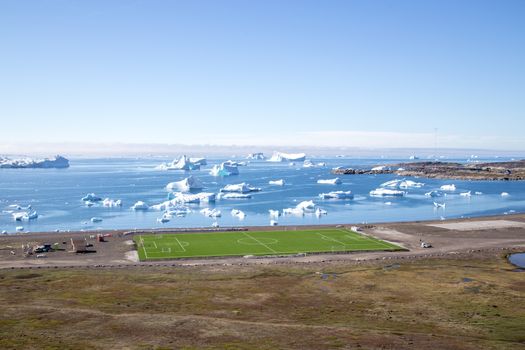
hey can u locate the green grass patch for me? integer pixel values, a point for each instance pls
(240, 243)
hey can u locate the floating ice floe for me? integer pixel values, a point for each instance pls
(386, 192)
(234, 163)
(276, 182)
(224, 169)
(301, 208)
(46, 163)
(188, 184)
(448, 188)
(320, 212)
(402, 184)
(212, 213)
(96, 219)
(380, 168)
(287, 157)
(164, 218)
(19, 228)
(439, 205)
(241, 188)
(274, 213)
(273, 223)
(478, 193)
(215, 224)
(183, 163)
(91, 197)
(336, 181)
(25, 216)
(140, 205)
(504, 194)
(435, 193)
(337, 195)
(111, 203)
(256, 156)
(233, 195)
(179, 198)
(238, 213)
(465, 194)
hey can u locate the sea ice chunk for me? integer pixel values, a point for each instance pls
(212, 213)
(238, 213)
(256, 156)
(224, 170)
(287, 157)
(46, 163)
(241, 188)
(448, 188)
(337, 195)
(276, 182)
(385, 192)
(336, 181)
(110, 203)
(91, 197)
(188, 184)
(140, 205)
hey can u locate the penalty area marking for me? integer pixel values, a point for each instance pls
(183, 249)
(331, 239)
(144, 247)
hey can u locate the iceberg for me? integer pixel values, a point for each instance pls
(234, 163)
(188, 184)
(504, 194)
(212, 213)
(198, 161)
(91, 197)
(96, 219)
(234, 195)
(385, 192)
(434, 193)
(319, 212)
(241, 188)
(336, 181)
(224, 170)
(179, 198)
(273, 223)
(276, 182)
(301, 208)
(256, 156)
(57, 162)
(402, 184)
(238, 213)
(337, 195)
(274, 213)
(465, 194)
(183, 163)
(308, 164)
(110, 203)
(440, 205)
(287, 157)
(19, 228)
(164, 219)
(448, 188)
(25, 216)
(140, 205)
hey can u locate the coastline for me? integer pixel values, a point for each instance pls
(118, 250)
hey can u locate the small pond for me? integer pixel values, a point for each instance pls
(517, 259)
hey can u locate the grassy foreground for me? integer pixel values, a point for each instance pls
(434, 304)
(188, 245)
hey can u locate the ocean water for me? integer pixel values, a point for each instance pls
(56, 195)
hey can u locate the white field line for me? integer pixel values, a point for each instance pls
(365, 238)
(261, 243)
(144, 247)
(183, 249)
(155, 244)
(331, 239)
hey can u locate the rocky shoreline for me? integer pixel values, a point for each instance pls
(494, 171)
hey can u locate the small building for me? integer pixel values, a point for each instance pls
(79, 245)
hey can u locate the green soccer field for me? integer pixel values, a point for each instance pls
(240, 243)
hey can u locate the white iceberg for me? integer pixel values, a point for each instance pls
(336, 181)
(448, 188)
(274, 213)
(224, 169)
(96, 219)
(183, 163)
(287, 157)
(402, 184)
(179, 198)
(25, 216)
(504, 194)
(234, 163)
(111, 203)
(319, 212)
(46, 163)
(440, 205)
(276, 182)
(386, 192)
(465, 194)
(308, 164)
(273, 223)
(188, 184)
(241, 188)
(238, 213)
(301, 208)
(198, 161)
(140, 205)
(337, 195)
(164, 219)
(212, 213)
(233, 195)
(19, 228)
(256, 156)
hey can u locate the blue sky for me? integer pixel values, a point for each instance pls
(365, 73)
